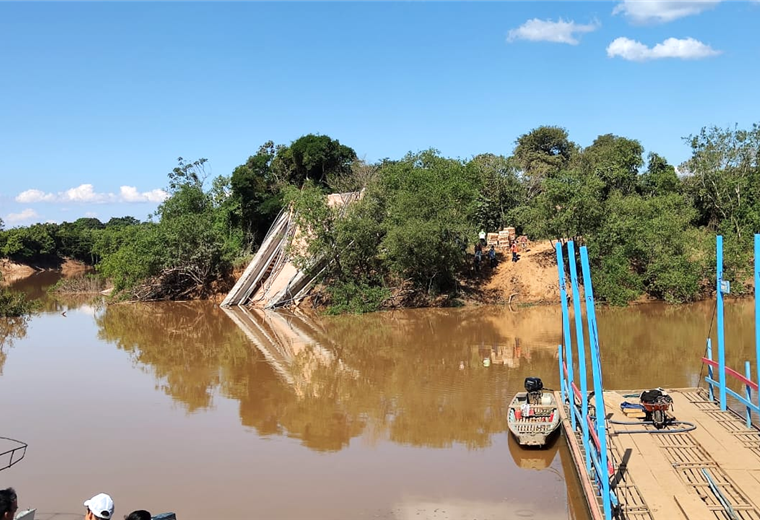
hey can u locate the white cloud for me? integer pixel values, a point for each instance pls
(685, 49)
(29, 196)
(536, 30)
(661, 11)
(90, 214)
(130, 194)
(86, 194)
(25, 215)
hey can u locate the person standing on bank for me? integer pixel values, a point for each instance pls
(8, 504)
(99, 507)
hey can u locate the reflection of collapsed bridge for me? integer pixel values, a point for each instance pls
(287, 341)
(272, 279)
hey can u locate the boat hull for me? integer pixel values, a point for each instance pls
(533, 424)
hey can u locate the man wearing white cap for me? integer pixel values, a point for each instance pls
(99, 507)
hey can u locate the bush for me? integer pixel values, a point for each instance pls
(356, 297)
(14, 304)
(87, 284)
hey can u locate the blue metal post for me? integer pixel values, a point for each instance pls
(757, 310)
(566, 332)
(596, 367)
(562, 388)
(710, 376)
(581, 350)
(748, 393)
(721, 343)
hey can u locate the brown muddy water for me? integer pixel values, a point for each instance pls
(248, 415)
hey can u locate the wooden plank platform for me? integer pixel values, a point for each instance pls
(709, 473)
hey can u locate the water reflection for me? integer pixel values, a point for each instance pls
(190, 348)
(334, 397)
(415, 377)
(11, 329)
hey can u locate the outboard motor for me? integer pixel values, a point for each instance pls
(534, 386)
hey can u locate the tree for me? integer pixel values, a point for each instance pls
(182, 254)
(314, 157)
(570, 206)
(660, 177)
(647, 244)
(616, 161)
(255, 188)
(542, 153)
(188, 173)
(122, 221)
(358, 178)
(500, 189)
(429, 206)
(724, 176)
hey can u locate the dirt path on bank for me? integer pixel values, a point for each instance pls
(532, 279)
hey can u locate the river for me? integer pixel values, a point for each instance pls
(248, 415)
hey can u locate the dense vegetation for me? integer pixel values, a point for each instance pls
(649, 228)
(14, 304)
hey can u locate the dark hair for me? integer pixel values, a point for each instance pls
(7, 498)
(141, 514)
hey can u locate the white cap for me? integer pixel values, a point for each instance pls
(101, 506)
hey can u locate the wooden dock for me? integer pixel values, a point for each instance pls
(711, 472)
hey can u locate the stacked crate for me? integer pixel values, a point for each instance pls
(503, 239)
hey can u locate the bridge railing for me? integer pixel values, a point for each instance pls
(720, 385)
(12, 456)
(591, 429)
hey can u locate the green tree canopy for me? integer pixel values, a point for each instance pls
(616, 161)
(543, 152)
(724, 177)
(314, 157)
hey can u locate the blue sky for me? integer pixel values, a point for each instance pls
(97, 100)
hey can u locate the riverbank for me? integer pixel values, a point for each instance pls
(12, 271)
(532, 280)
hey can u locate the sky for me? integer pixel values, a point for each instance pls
(99, 99)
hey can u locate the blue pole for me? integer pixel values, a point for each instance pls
(710, 371)
(581, 351)
(748, 393)
(562, 390)
(757, 310)
(596, 367)
(566, 331)
(721, 343)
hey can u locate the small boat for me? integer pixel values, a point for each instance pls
(532, 416)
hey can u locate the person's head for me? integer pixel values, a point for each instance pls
(142, 514)
(8, 504)
(99, 507)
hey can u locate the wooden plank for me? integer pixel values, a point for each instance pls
(693, 508)
(723, 446)
(747, 482)
(652, 473)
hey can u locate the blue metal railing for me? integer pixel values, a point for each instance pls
(722, 287)
(592, 430)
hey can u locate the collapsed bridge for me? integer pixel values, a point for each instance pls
(272, 279)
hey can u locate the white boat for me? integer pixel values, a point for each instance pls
(532, 416)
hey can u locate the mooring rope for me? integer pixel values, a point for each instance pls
(709, 333)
